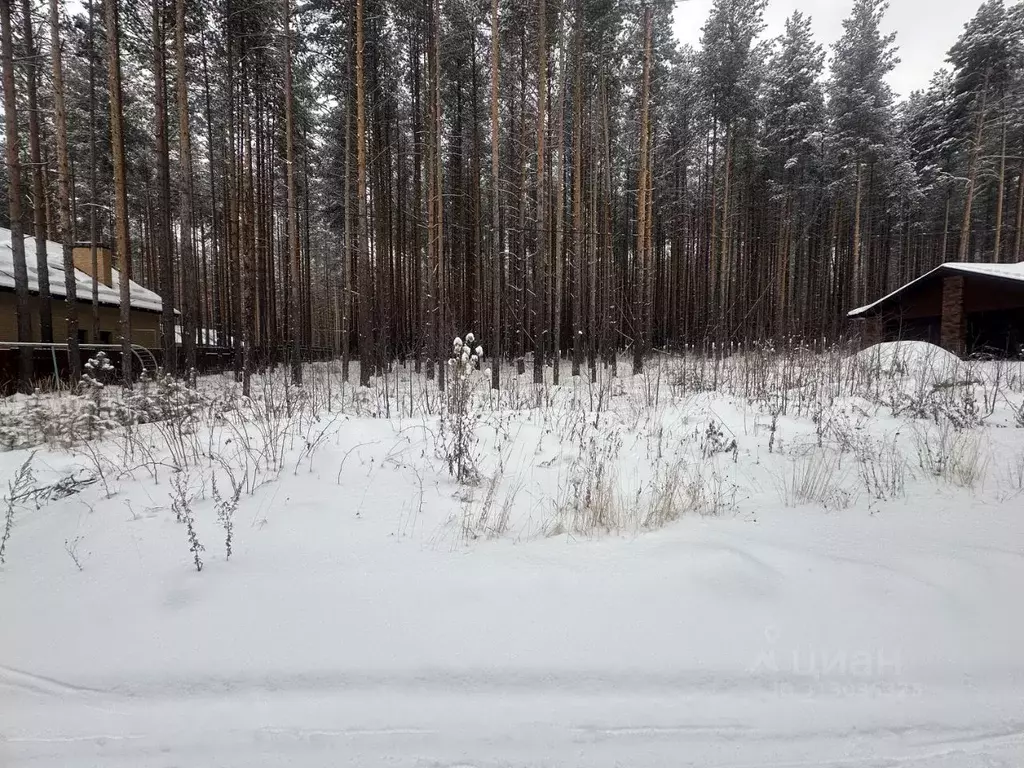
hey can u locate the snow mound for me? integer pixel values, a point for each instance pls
(914, 359)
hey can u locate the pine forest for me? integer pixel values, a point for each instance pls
(366, 179)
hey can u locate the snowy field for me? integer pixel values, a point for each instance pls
(759, 559)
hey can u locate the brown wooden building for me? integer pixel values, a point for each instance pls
(146, 305)
(965, 308)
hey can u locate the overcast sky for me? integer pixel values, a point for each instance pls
(925, 29)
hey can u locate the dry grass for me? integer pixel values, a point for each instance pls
(823, 424)
(817, 477)
(953, 455)
(882, 468)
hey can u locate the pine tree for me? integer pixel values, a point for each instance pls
(13, 139)
(64, 194)
(860, 107)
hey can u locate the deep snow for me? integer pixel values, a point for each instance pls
(357, 623)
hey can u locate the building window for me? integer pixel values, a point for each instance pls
(83, 336)
(106, 337)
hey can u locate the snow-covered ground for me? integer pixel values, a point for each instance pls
(771, 559)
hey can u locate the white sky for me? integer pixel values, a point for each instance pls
(925, 29)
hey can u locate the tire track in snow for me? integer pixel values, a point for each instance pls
(28, 681)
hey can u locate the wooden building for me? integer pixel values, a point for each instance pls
(146, 305)
(965, 308)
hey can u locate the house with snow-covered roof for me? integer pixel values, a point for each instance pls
(145, 304)
(965, 307)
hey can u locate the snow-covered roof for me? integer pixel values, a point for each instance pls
(141, 298)
(1012, 272)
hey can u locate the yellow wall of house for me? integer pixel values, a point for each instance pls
(145, 325)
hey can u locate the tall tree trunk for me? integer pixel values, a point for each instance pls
(232, 284)
(999, 199)
(248, 234)
(522, 267)
(1018, 235)
(38, 190)
(576, 249)
(944, 247)
(495, 341)
(162, 218)
(293, 205)
(611, 313)
(366, 347)
(593, 257)
(189, 267)
(558, 171)
(124, 252)
(93, 194)
(642, 310)
(858, 264)
(218, 305)
(419, 273)
(443, 338)
(972, 174)
(435, 201)
(24, 320)
(541, 251)
(433, 304)
(725, 297)
(64, 195)
(346, 250)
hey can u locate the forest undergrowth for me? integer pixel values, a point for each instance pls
(730, 433)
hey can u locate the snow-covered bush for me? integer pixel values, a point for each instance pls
(458, 420)
(162, 398)
(15, 432)
(96, 416)
(714, 440)
(38, 419)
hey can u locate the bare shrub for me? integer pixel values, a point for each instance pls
(959, 406)
(181, 505)
(1012, 478)
(313, 437)
(670, 496)
(101, 466)
(1018, 414)
(488, 518)
(842, 428)
(71, 547)
(956, 456)
(681, 488)
(17, 488)
(882, 469)
(588, 500)
(226, 506)
(501, 520)
(816, 478)
(708, 492)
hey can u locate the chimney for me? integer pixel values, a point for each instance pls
(82, 255)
